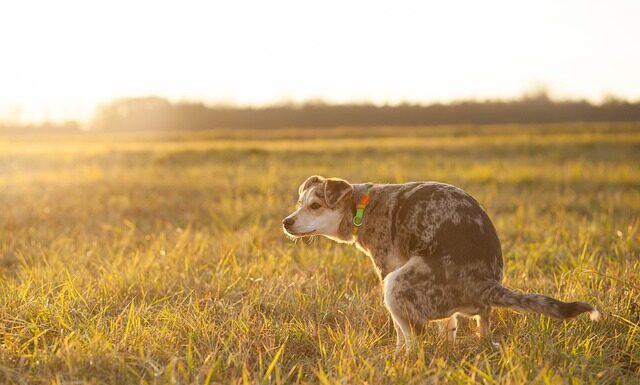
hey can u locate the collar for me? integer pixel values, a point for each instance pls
(358, 217)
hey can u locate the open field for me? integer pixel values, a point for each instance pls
(159, 258)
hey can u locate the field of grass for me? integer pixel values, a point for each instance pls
(159, 258)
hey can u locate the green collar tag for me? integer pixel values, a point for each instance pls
(357, 219)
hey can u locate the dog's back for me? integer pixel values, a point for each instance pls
(438, 222)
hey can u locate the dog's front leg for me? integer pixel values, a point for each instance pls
(400, 340)
(399, 306)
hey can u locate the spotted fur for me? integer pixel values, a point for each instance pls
(434, 248)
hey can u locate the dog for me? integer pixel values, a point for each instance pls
(433, 246)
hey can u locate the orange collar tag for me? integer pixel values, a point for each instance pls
(357, 219)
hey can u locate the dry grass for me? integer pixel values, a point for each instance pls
(159, 258)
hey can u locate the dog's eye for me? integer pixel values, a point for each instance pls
(315, 206)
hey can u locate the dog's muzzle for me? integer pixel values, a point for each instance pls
(288, 223)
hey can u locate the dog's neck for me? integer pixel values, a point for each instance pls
(358, 191)
(346, 227)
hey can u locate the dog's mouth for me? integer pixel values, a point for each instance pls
(298, 234)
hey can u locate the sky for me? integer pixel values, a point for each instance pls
(60, 59)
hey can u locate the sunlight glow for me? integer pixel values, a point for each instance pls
(60, 59)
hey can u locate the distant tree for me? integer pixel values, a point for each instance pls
(148, 113)
(152, 113)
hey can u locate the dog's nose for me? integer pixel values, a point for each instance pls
(288, 222)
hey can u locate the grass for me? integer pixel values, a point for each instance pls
(159, 258)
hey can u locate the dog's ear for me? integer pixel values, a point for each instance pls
(336, 190)
(307, 183)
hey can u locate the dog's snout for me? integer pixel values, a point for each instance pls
(288, 222)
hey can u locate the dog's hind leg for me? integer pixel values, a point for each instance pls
(483, 320)
(448, 328)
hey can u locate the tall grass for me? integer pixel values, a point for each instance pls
(159, 258)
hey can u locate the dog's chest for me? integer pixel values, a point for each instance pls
(385, 261)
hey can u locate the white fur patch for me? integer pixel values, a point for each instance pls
(389, 280)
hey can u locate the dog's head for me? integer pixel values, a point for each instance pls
(322, 206)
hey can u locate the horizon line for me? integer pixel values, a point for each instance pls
(539, 94)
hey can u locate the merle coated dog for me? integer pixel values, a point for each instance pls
(433, 246)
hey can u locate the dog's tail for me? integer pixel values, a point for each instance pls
(498, 295)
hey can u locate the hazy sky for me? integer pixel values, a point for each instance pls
(58, 59)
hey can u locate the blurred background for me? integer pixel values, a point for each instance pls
(170, 65)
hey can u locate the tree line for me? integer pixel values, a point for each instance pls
(153, 113)
(160, 114)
